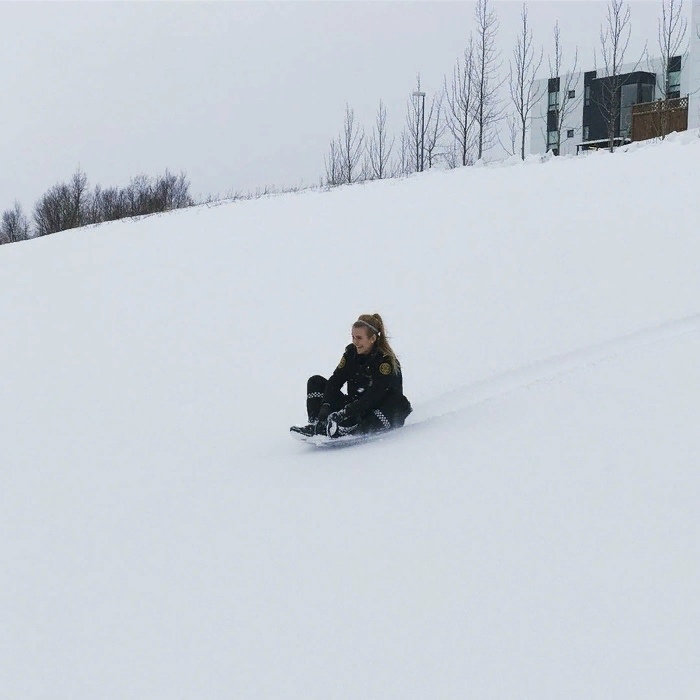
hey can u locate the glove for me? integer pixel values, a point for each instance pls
(338, 416)
(323, 413)
(335, 420)
(350, 410)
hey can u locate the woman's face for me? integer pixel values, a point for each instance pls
(363, 340)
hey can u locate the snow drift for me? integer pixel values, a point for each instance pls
(533, 530)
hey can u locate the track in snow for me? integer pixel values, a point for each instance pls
(467, 396)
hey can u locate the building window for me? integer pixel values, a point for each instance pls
(553, 90)
(629, 96)
(586, 133)
(569, 133)
(673, 78)
(553, 85)
(587, 96)
(572, 94)
(673, 85)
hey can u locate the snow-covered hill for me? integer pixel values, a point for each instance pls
(532, 533)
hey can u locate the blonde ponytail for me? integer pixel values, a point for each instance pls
(375, 324)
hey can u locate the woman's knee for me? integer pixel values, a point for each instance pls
(317, 383)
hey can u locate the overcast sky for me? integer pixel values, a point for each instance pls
(237, 94)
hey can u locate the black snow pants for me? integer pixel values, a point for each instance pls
(390, 413)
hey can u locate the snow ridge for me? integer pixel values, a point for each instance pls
(531, 533)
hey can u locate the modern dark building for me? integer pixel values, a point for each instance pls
(607, 106)
(592, 104)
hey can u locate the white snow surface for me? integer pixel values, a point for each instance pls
(533, 532)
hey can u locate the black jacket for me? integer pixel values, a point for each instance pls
(370, 379)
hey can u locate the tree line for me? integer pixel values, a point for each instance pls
(456, 125)
(480, 106)
(73, 203)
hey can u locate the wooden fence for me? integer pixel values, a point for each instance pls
(654, 119)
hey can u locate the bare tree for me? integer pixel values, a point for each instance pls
(351, 144)
(423, 129)
(460, 119)
(108, 204)
(170, 192)
(14, 225)
(69, 205)
(64, 206)
(452, 159)
(379, 147)
(435, 127)
(50, 210)
(672, 28)
(614, 40)
(406, 160)
(416, 124)
(524, 89)
(487, 64)
(334, 175)
(137, 195)
(511, 147)
(671, 35)
(79, 194)
(568, 83)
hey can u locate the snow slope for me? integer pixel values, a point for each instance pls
(533, 531)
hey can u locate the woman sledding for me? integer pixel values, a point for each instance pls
(374, 399)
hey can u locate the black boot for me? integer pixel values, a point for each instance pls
(340, 425)
(305, 430)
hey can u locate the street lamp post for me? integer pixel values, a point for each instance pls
(420, 158)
